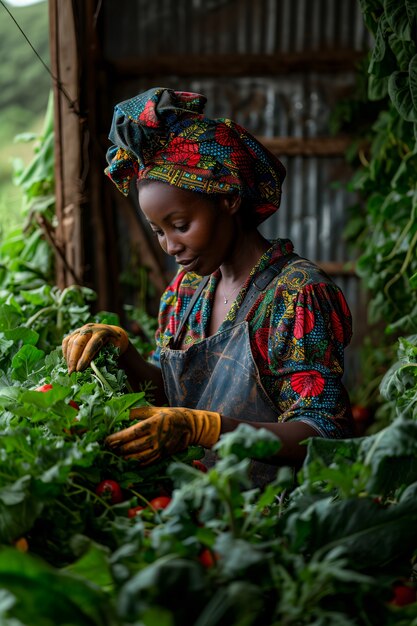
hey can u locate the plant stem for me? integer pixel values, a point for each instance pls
(141, 497)
(82, 489)
(45, 310)
(101, 377)
(231, 515)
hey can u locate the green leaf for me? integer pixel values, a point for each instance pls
(174, 584)
(370, 6)
(392, 456)
(155, 616)
(368, 535)
(15, 492)
(371, 10)
(382, 62)
(39, 297)
(403, 50)
(411, 8)
(25, 335)
(41, 204)
(237, 555)
(5, 345)
(377, 87)
(378, 464)
(120, 404)
(40, 167)
(44, 399)
(18, 510)
(8, 395)
(25, 137)
(413, 82)
(46, 596)
(397, 18)
(402, 89)
(7, 600)
(10, 317)
(246, 441)
(25, 361)
(332, 464)
(239, 602)
(93, 565)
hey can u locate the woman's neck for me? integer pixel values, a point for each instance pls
(247, 249)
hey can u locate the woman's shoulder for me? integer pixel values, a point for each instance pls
(303, 281)
(298, 271)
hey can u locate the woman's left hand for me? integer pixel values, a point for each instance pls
(160, 432)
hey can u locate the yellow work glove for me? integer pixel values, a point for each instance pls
(81, 346)
(163, 431)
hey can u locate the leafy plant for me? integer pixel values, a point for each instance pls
(172, 545)
(383, 226)
(399, 384)
(220, 552)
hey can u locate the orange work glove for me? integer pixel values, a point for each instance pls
(164, 431)
(81, 346)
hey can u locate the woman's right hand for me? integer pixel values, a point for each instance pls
(81, 346)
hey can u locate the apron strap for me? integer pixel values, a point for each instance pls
(256, 287)
(260, 283)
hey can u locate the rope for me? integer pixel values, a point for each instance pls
(60, 86)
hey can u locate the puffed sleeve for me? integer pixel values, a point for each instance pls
(306, 353)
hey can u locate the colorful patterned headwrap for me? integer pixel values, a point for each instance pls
(163, 135)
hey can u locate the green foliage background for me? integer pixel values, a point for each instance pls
(382, 226)
(24, 90)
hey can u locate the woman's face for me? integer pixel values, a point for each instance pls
(198, 232)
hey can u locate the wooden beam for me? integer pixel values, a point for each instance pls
(306, 146)
(227, 65)
(99, 220)
(335, 268)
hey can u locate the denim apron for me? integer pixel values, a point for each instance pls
(219, 373)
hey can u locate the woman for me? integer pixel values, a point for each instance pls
(258, 339)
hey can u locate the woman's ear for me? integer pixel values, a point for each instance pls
(231, 203)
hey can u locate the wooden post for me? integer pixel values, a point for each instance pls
(67, 128)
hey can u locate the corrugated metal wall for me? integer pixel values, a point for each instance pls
(291, 100)
(245, 26)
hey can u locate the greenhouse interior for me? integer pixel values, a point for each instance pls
(208, 313)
